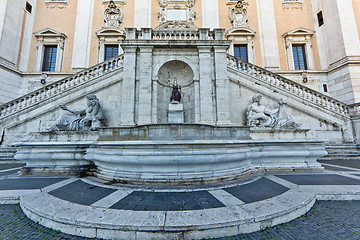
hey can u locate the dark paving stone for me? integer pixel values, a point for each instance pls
(5, 166)
(344, 163)
(10, 172)
(336, 168)
(170, 201)
(320, 179)
(257, 191)
(27, 183)
(81, 192)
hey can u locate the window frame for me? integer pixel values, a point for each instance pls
(46, 37)
(299, 36)
(242, 36)
(52, 68)
(300, 63)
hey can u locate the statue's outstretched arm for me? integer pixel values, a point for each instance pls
(65, 108)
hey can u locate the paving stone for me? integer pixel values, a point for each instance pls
(336, 168)
(81, 192)
(5, 166)
(171, 201)
(27, 183)
(326, 220)
(320, 179)
(7, 173)
(256, 191)
(343, 162)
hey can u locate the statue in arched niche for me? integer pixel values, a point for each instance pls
(175, 95)
(239, 15)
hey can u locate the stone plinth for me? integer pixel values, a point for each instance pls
(176, 113)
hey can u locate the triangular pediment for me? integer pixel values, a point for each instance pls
(243, 31)
(48, 32)
(299, 31)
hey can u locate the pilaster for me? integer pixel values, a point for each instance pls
(205, 85)
(128, 86)
(145, 89)
(83, 32)
(267, 32)
(222, 86)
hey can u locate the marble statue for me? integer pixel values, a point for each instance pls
(259, 116)
(239, 15)
(175, 95)
(89, 118)
(281, 119)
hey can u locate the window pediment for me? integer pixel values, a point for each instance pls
(48, 32)
(116, 32)
(241, 31)
(299, 32)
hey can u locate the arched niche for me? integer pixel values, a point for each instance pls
(182, 73)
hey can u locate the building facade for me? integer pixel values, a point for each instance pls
(313, 42)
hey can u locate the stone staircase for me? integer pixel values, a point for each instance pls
(7, 155)
(348, 151)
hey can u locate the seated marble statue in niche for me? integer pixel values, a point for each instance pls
(259, 116)
(90, 118)
(175, 95)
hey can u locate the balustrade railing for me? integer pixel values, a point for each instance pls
(175, 35)
(60, 86)
(300, 91)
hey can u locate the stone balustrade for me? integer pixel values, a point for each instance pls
(60, 86)
(150, 34)
(304, 93)
(354, 109)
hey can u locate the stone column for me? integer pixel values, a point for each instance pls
(128, 87)
(267, 32)
(145, 76)
(222, 86)
(206, 76)
(82, 37)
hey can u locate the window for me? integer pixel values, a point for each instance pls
(242, 46)
(320, 18)
(299, 57)
(28, 7)
(325, 88)
(111, 51)
(49, 60)
(240, 51)
(298, 48)
(50, 50)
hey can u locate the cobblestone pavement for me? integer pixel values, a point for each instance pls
(326, 220)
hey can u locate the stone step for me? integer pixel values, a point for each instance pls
(7, 154)
(329, 158)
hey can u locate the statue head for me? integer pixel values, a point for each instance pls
(92, 100)
(282, 101)
(256, 98)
